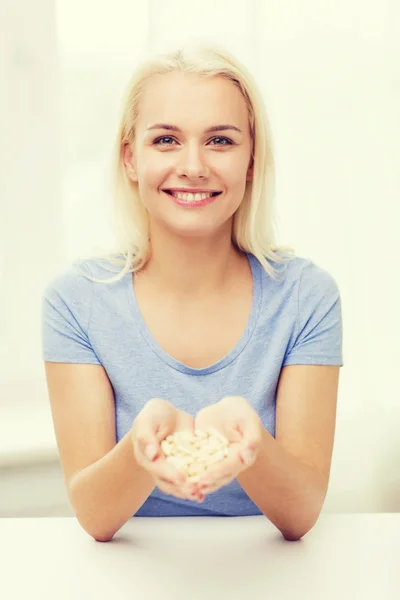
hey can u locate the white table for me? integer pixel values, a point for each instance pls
(354, 556)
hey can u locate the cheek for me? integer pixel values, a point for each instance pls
(155, 174)
(236, 181)
(234, 170)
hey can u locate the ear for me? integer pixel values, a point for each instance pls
(129, 162)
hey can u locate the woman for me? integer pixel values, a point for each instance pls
(205, 324)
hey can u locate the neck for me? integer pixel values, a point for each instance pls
(191, 266)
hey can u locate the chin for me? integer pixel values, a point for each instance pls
(199, 230)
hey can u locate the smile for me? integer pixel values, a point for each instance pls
(190, 197)
(189, 200)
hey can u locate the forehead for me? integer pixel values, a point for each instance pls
(184, 99)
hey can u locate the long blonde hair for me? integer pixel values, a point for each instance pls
(253, 222)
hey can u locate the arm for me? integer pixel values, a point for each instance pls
(289, 479)
(105, 484)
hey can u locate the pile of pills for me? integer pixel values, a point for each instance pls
(194, 453)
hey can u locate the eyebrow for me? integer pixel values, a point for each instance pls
(208, 130)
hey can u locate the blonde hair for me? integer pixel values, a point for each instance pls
(253, 222)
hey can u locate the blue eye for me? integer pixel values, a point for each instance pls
(229, 142)
(158, 141)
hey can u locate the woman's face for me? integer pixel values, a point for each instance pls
(176, 148)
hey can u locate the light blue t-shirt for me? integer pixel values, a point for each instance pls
(294, 321)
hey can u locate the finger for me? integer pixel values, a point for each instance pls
(193, 492)
(152, 431)
(159, 418)
(226, 468)
(211, 485)
(161, 469)
(165, 480)
(195, 496)
(247, 457)
(226, 427)
(158, 466)
(185, 423)
(249, 450)
(190, 490)
(146, 447)
(220, 475)
(252, 434)
(170, 489)
(216, 485)
(183, 492)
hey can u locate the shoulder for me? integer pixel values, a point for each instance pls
(72, 281)
(315, 303)
(304, 273)
(315, 280)
(78, 288)
(85, 274)
(67, 298)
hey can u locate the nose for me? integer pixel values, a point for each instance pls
(192, 164)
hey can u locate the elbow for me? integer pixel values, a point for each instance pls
(303, 520)
(296, 531)
(293, 535)
(88, 521)
(296, 528)
(97, 534)
(101, 537)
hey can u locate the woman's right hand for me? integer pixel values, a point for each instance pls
(158, 419)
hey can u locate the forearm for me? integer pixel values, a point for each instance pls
(288, 492)
(110, 491)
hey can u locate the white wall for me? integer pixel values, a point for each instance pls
(330, 76)
(30, 219)
(331, 81)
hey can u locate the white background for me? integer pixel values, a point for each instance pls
(330, 74)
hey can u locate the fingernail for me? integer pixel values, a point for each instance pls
(151, 451)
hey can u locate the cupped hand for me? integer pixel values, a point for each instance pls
(239, 423)
(158, 419)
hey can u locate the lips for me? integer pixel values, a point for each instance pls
(190, 200)
(174, 191)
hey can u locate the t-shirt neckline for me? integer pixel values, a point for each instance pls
(224, 361)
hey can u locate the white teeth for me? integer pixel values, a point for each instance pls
(188, 197)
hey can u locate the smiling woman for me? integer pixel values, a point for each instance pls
(198, 104)
(206, 323)
(193, 155)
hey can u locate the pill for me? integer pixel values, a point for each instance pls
(194, 453)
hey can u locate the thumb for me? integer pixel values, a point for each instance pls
(151, 437)
(151, 450)
(247, 456)
(251, 443)
(146, 443)
(154, 423)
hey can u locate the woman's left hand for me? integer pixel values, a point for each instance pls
(240, 424)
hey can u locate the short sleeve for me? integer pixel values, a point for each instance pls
(318, 337)
(66, 309)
